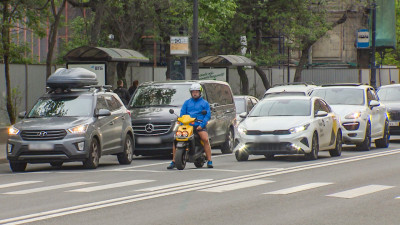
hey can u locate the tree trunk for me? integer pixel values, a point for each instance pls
(53, 34)
(96, 27)
(244, 80)
(263, 77)
(302, 63)
(5, 33)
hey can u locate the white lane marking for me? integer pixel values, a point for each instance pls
(19, 183)
(123, 170)
(133, 167)
(174, 185)
(110, 186)
(356, 192)
(178, 190)
(235, 186)
(219, 170)
(54, 187)
(297, 188)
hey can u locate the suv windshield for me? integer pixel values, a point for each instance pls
(160, 95)
(58, 106)
(341, 96)
(389, 94)
(282, 107)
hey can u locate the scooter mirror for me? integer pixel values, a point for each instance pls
(204, 112)
(171, 111)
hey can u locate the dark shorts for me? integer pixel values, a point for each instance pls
(203, 129)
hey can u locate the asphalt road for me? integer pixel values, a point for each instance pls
(356, 188)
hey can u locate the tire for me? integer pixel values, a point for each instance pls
(227, 147)
(384, 142)
(17, 166)
(125, 157)
(366, 144)
(338, 146)
(200, 162)
(313, 155)
(92, 162)
(180, 158)
(56, 164)
(269, 156)
(241, 156)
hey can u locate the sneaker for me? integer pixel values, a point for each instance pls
(171, 165)
(209, 164)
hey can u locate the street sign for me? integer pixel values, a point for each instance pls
(363, 38)
(179, 46)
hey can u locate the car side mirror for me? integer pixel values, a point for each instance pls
(22, 115)
(171, 111)
(103, 112)
(374, 103)
(204, 112)
(321, 114)
(243, 115)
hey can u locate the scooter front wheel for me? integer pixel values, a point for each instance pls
(180, 158)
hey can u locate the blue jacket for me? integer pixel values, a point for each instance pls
(193, 107)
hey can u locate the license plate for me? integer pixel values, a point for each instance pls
(40, 146)
(267, 139)
(394, 124)
(148, 140)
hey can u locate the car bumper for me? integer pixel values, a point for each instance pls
(353, 131)
(154, 145)
(275, 144)
(65, 150)
(394, 127)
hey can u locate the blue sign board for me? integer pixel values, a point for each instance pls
(363, 38)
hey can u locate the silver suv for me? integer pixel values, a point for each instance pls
(72, 124)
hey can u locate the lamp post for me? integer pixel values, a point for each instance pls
(373, 67)
(195, 41)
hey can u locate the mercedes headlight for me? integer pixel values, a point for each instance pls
(298, 129)
(81, 129)
(13, 131)
(176, 125)
(353, 115)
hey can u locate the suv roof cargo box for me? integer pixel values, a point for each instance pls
(72, 78)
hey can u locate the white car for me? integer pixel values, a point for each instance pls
(289, 125)
(290, 89)
(363, 117)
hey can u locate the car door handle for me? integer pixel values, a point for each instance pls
(111, 123)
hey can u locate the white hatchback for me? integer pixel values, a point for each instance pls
(289, 125)
(363, 117)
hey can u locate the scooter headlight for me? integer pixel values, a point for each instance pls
(178, 133)
(185, 133)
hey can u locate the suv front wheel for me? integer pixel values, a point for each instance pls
(94, 155)
(125, 157)
(18, 166)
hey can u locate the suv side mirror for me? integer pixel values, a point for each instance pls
(321, 114)
(103, 112)
(374, 103)
(22, 114)
(243, 115)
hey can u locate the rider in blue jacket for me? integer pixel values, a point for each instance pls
(193, 107)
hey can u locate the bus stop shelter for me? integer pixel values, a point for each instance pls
(105, 62)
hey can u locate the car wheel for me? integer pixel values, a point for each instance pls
(366, 144)
(125, 157)
(227, 147)
(180, 158)
(269, 156)
(313, 155)
(18, 166)
(241, 156)
(56, 164)
(92, 162)
(200, 162)
(338, 146)
(384, 142)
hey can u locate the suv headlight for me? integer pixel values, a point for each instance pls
(13, 131)
(353, 115)
(81, 129)
(298, 129)
(242, 130)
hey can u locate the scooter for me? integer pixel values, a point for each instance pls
(189, 147)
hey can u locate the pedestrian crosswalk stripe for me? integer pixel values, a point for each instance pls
(47, 188)
(235, 186)
(356, 192)
(174, 185)
(297, 188)
(19, 183)
(110, 186)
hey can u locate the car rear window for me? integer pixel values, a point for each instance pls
(282, 107)
(341, 96)
(240, 106)
(389, 94)
(61, 106)
(279, 94)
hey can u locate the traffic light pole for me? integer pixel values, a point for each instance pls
(373, 66)
(195, 41)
